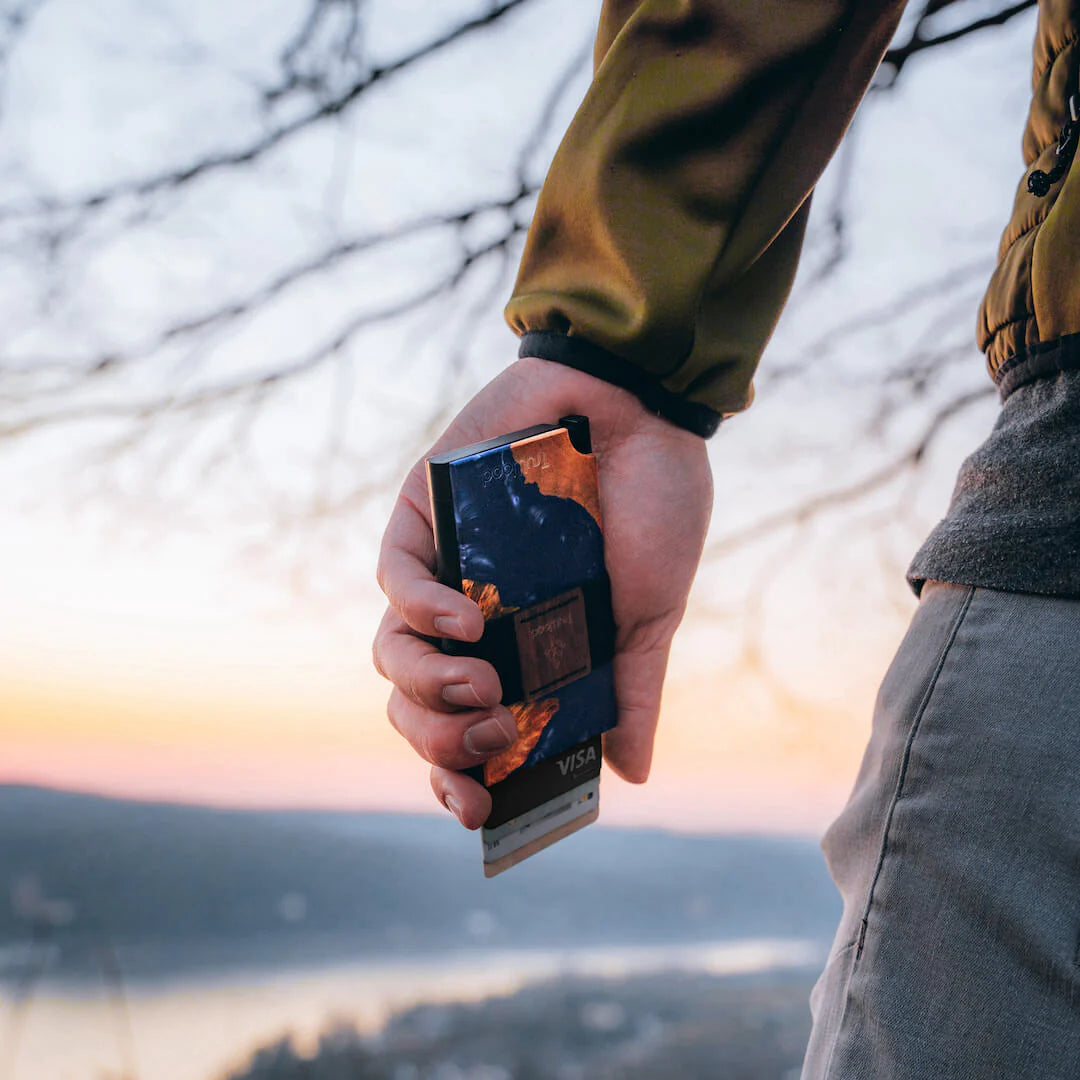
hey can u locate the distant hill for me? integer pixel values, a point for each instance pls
(181, 886)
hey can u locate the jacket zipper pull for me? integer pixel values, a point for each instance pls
(1039, 182)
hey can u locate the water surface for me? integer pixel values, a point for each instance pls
(197, 1027)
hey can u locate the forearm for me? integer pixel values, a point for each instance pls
(669, 228)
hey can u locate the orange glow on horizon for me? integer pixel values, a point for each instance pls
(744, 765)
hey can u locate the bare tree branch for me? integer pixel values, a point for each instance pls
(898, 56)
(816, 349)
(546, 115)
(15, 19)
(311, 73)
(921, 39)
(256, 148)
(258, 384)
(851, 493)
(261, 296)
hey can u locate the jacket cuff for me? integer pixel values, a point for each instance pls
(584, 356)
(1038, 361)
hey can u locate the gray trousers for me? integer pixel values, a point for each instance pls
(958, 855)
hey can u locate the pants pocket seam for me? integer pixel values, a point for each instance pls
(902, 775)
(860, 939)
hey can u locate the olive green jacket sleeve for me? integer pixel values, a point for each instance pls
(667, 232)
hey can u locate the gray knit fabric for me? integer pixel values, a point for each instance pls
(1014, 520)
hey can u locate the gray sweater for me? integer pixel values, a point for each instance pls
(1014, 520)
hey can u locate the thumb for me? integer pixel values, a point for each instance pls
(639, 682)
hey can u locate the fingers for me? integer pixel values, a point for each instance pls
(405, 574)
(447, 708)
(467, 800)
(428, 676)
(452, 740)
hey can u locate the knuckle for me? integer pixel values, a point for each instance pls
(382, 576)
(427, 678)
(414, 688)
(377, 647)
(390, 581)
(418, 681)
(405, 605)
(425, 747)
(392, 707)
(488, 678)
(439, 786)
(439, 747)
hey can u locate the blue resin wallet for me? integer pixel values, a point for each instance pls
(517, 529)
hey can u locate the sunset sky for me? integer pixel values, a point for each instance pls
(146, 651)
(162, 671)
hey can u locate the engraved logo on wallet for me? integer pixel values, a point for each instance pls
(553, 643)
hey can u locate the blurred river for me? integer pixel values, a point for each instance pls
(200, 1027)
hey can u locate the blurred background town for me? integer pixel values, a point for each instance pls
(253, 256)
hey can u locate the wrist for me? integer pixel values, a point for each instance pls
(553, 390)
(584, 356)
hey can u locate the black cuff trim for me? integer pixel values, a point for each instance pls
(584, 356)
(1039, 361)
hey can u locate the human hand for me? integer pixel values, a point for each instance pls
(655, 501)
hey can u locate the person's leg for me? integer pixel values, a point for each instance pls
(958, 855)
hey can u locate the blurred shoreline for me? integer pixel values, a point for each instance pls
(191, 1027)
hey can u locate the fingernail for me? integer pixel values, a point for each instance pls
(448, 626)
(453, 806)
(462, 694)
(488, 736)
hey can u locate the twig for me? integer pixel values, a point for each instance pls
(849, 493)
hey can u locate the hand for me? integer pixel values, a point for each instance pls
(655, 500)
